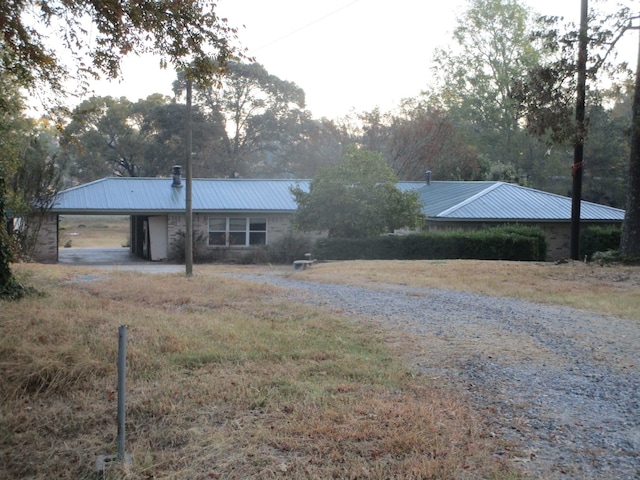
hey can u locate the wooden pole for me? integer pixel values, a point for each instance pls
(188, 241)
(578, 153)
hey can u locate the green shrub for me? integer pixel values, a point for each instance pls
(599, 239)
(499, 243)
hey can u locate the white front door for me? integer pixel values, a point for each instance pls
(158, 238)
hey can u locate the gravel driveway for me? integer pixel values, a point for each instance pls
(562, 383)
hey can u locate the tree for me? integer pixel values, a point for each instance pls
(492, 46)
(261, 115)
(163, 128)
(607, 156)
(187, 35)
(414, 138)
(312, 144)
(9, 287)
(630, 238)
(423, 138)
(29, 181)
(547, 92)
(12, 141)
(34, 186)
(356, 198)
(109, 136)
(106, 138)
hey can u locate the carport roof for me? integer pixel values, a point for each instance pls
(134, 195)
(447, 201)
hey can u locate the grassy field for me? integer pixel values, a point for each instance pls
(98, 231)
(229, 379)
(226, 379)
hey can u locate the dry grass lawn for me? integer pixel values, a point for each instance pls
(228, 379)
(98, 231)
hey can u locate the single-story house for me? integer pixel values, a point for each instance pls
(239, 214)
(474, 205)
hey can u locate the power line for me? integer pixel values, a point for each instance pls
(279, 39)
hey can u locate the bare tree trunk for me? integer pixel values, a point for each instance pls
(6, 276)
(630, 240)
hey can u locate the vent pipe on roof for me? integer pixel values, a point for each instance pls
(177, 176)
(428, 174)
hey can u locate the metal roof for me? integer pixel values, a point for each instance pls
(130, 195)
(459, 201)
(491, 201)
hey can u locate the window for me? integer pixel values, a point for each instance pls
(257, 231)
(218, 231)
(237, 231)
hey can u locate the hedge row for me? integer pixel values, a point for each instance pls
(499, 243)
(599, 239)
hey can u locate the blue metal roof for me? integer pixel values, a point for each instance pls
(154, 195)
(491, 201)
(459, 201)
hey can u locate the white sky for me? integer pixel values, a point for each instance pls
(345, 54)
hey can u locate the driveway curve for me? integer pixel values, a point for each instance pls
(561, 383)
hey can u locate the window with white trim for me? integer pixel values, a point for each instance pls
(237, 231)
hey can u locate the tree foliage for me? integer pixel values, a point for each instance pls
(28, 183)
(416, 138)
(261, 114)
(97, 34)
(12, 141)
(114, 136)
(34, 186)
(356, 198)
(547, 94)
(492, 46)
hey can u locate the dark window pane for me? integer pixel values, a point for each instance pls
(237, 238)
(217, 238)
(258, 224)
(257, 238)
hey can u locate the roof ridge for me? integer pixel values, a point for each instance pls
(471, 199)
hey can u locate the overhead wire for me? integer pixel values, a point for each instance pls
(318, 20)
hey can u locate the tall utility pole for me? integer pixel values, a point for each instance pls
(578, 155)
(188, 238)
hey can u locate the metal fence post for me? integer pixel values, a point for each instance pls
(122, 386)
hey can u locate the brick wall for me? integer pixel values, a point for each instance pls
(277, 227)
(46, 248)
